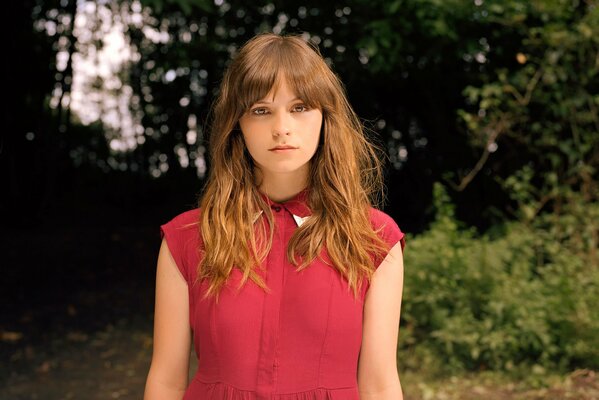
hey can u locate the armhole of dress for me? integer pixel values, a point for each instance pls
(168, 232)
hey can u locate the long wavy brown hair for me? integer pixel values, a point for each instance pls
(345, 177)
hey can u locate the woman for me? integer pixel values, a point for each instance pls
(285, 277)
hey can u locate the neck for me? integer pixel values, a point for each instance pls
(280, 187)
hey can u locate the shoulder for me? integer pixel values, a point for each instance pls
(182, 228)
(379, 218)
(386, 227)
(182, 236)
(185, 218)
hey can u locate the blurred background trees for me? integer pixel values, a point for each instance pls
(488, 110)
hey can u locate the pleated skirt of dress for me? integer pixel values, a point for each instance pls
(199, 390)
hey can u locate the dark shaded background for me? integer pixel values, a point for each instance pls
(79, 221)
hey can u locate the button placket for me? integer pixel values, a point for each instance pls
(266, 379)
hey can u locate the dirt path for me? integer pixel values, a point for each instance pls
(75, 323)
(113, 364)
(110, 364)
(75, 315)
(579, 385)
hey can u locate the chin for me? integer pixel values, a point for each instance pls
(284, 170)
(284, 166)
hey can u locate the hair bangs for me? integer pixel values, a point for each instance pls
(255, 85)
(283, 61)
(303, 72)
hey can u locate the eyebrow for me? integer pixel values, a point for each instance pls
(268, 102)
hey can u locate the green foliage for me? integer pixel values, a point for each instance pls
(524, 295)
(543, 104)
(187, 6)
(390, 34)
(530, 107)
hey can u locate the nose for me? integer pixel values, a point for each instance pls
(281, 124)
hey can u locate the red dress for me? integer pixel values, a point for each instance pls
(300, 342)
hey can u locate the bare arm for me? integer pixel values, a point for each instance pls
(378, 377)
(167, 378)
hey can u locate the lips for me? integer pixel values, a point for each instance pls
(283, 148)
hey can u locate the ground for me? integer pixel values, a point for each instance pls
(113, 362)
(76, 322)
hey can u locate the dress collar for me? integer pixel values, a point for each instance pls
(297, 205)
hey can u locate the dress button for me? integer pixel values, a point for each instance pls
(276, 208)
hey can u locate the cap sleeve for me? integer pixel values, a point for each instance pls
(388, 229)
(180, 233)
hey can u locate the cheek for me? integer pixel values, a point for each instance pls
(250, 136)
(252, 147)
(315, 132)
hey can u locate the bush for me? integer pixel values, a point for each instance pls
(522, 295)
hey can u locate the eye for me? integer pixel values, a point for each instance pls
(305, 108)
(258, 111)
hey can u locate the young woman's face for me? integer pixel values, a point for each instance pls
(282, 121)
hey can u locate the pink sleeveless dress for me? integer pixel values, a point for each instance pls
(299, 342)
